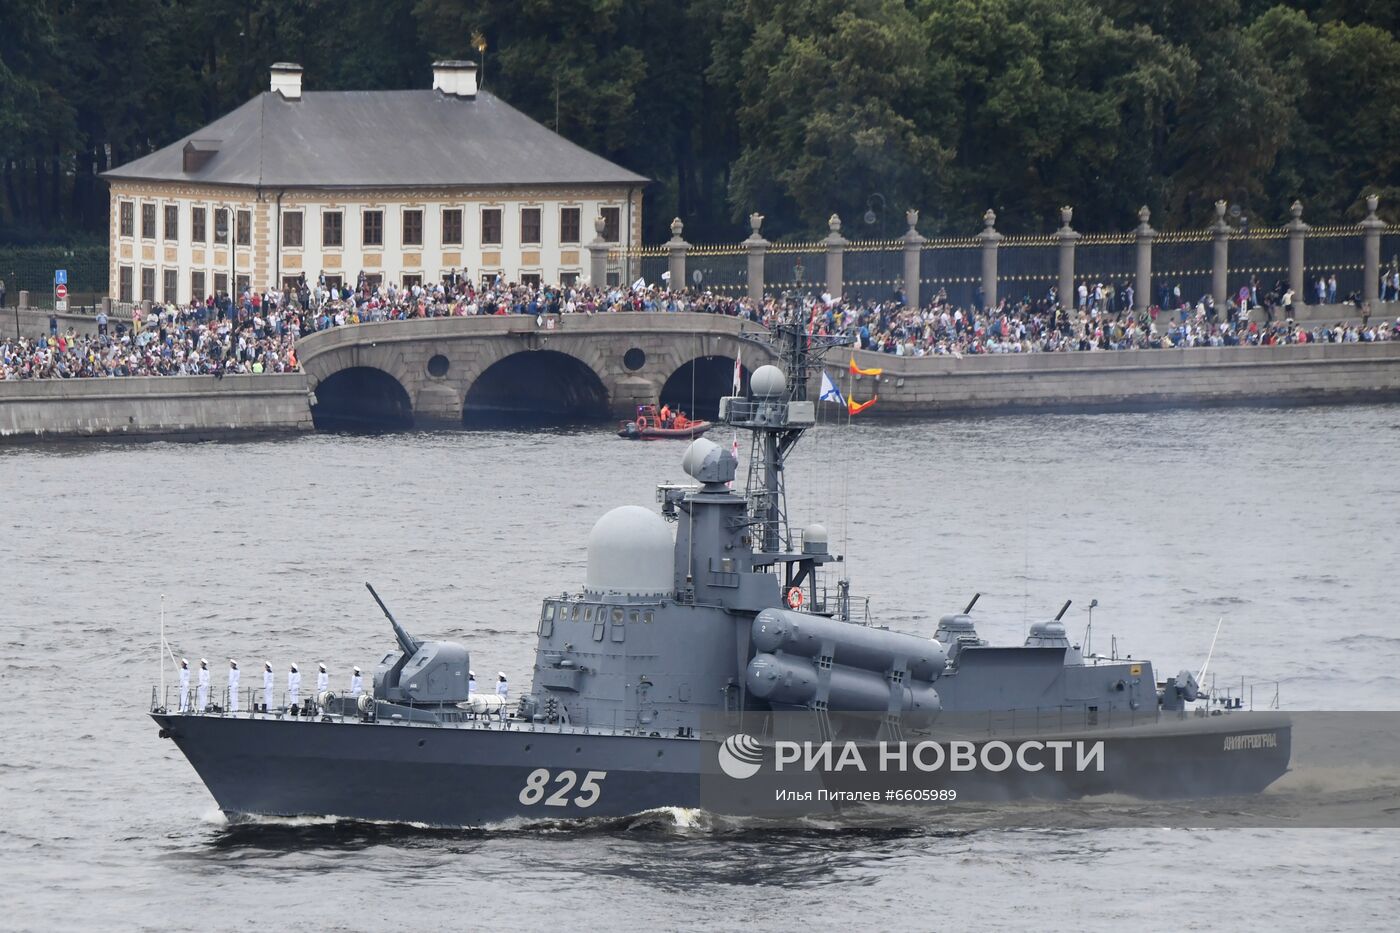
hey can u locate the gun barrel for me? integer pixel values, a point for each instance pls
(406, 641)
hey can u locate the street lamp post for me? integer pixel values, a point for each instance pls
(871, 217)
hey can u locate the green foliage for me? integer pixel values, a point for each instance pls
(794, 108)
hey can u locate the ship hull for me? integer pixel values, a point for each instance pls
(445, 776)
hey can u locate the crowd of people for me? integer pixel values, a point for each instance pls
(258, 333)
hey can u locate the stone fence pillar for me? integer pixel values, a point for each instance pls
(677, 248)
(1068, 237)
(1145, 235)
(1371, 229)
(598, 255)
(913, 252)
(990, 241)
(23, 298)
(1220, 260)
(1297, 234)
(835, 258)
(758, 248)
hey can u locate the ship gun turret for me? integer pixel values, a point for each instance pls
(422, 673)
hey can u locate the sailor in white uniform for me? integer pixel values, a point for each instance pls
(202, 702)
(323, 680)
(471, 682)
(268, 701)
(357, 683)
(233, 676)
(293, 686)
(502, 691)
(184, 685)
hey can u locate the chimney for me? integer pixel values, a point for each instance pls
(455, 78)
(286, 80)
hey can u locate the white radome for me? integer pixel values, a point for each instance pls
(630, 551)
(768, 382)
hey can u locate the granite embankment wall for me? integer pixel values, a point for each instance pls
(202, 406)
(197, 406)
(1124, 380)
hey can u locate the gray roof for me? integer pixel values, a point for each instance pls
(387, 139)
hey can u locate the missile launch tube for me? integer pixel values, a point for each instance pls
(795, 681)
(858, 646)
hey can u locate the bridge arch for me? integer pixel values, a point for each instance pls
(536, 385)
(361, 398)
(699, 383)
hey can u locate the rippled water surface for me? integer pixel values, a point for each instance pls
(1284, 521)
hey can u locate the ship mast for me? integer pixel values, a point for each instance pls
(777, 417)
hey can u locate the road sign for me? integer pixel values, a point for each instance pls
(60, 276)
(61, 305)
(60, 291)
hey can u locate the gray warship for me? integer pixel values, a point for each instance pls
(709, 640)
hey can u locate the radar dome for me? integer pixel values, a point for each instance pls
(630, 551)
(708, 462)
(768, 382)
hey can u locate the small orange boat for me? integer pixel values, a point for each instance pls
(650, 426)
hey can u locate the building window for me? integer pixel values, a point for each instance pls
(148, 221)
(172, 221)
(197, 286)
(242, 282)
(530, 225)
(124, 288)
(245, 226)
(411, 280)
(148, 282)
(452, 227)
(128, 215)
(332, 228)
(568, 225)
(491, 226)
(413, 228)
(568, 279)
(614, 278)
(373, 280)
(197, 232)
(531, 279)
(374, 228)
(291, 229)
(172, 285)
(612, 224)
(221, 283)
(333, 281)
(221, 216)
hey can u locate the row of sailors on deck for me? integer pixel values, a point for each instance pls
(323, 681)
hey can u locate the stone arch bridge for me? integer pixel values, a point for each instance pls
(451, 370)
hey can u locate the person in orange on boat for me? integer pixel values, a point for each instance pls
(665, 415)
(682, 421)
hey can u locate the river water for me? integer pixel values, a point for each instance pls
(1282, 520)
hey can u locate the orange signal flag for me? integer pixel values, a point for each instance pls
(856, 408)
(857, 371)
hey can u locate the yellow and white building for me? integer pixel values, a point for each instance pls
(405, 186)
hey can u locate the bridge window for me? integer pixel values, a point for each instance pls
(634, 359)
(438, 366)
